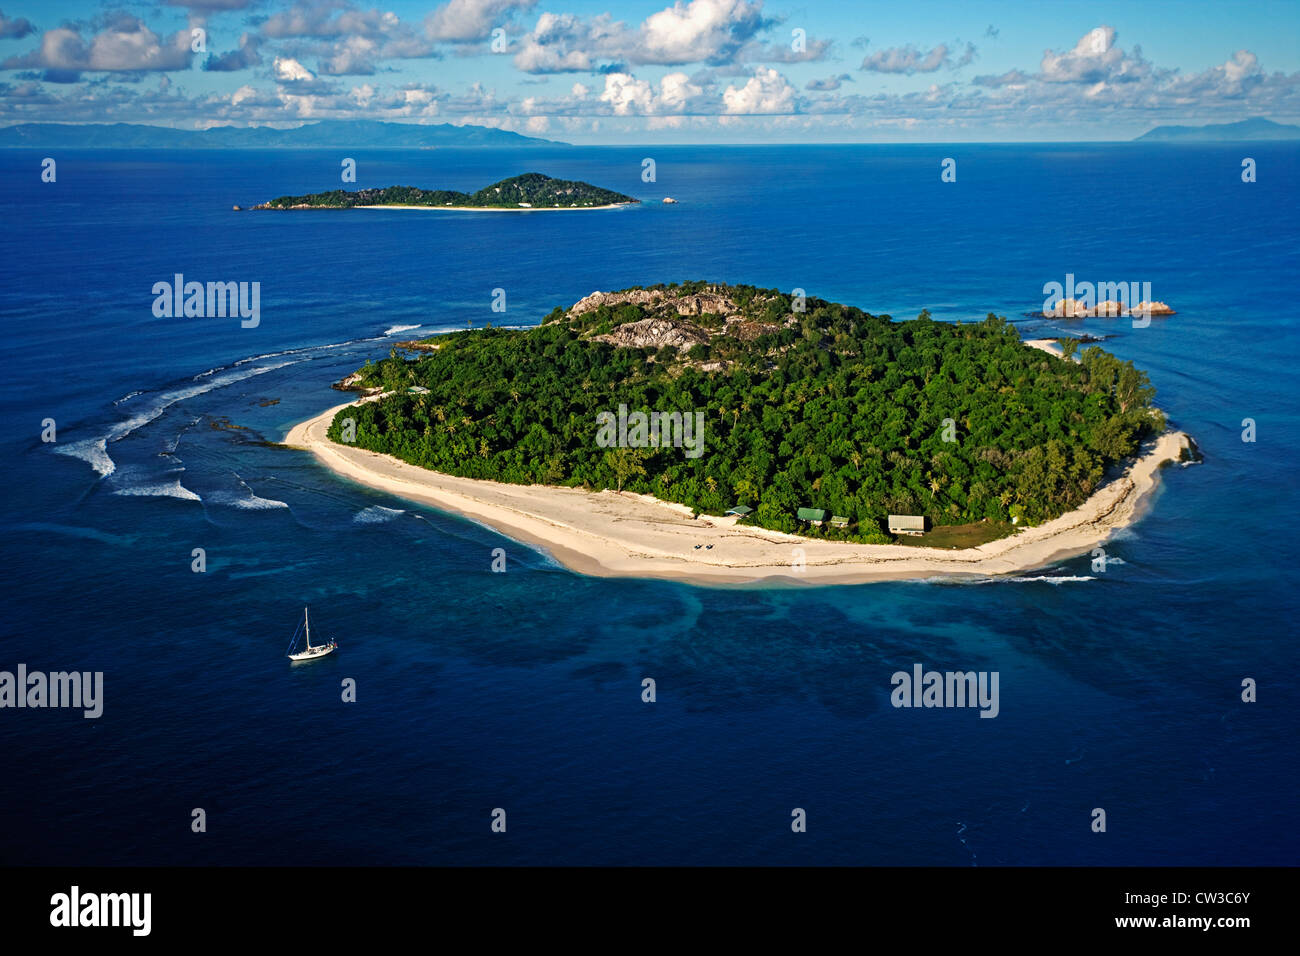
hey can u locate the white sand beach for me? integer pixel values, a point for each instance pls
(1050, 346)
(610, 534)
(613, 205)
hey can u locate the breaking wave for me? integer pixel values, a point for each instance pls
(1005, 579)
(1053, 579)
(377, 514)
(94, 451)
(248, 502)
(168, 489)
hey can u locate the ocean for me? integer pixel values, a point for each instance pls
(475, 691)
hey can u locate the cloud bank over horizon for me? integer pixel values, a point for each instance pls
(695, 70)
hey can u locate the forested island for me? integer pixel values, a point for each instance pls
(528, 191)
(805, 404)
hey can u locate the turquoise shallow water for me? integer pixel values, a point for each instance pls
(522, 690)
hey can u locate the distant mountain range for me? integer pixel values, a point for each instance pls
(1251, 129)
(345, 134)
(374, 134)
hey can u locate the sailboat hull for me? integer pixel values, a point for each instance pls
(312, 653)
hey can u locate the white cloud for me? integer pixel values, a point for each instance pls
(829, 83)
(14, 29)
(1095, 58)
(699, 31)
(210, 6)
(463, 21)
(289, 70)
(767, 91)
(1239, 76)
(1090, 85)
(909, 60)
(1242, 65)
(130, 45)
(626, 94)
(246, 56)
(307, 19)
(60, 49)
(248, 99)
(676, 91)
(125, 45)
(1012, 79)
(348, 40)
(565, 43)
(354, 56)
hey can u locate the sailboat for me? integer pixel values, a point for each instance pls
(312, 651)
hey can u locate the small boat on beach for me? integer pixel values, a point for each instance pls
(311, 652)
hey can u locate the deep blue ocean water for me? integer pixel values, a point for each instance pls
(476, 690)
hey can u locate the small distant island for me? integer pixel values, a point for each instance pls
(875, 448)
(530, 191)
(1254, 129)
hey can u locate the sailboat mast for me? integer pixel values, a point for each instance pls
(307, 621)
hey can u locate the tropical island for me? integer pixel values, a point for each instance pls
(796, 426)
(525, 192)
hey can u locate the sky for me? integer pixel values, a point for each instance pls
(691, 71)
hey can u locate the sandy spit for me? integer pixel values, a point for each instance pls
(609, 534)
(616, 205)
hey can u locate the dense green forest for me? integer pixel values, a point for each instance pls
(532, 188)
(805, 404)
